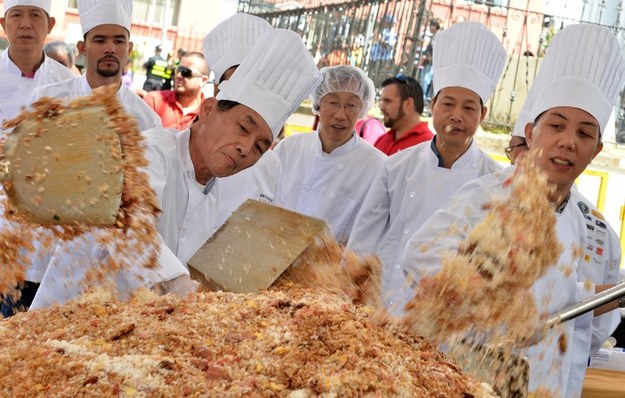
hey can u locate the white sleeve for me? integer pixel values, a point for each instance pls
(442, 233)
(158, 143)
(67, 276)
(280, 153)
(373, 219)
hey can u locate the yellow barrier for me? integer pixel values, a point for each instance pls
(291, 129)
(603, 186)
(499, 158)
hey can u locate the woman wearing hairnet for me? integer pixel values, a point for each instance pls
(326, 173)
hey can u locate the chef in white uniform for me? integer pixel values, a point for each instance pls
(327, 173)
(468, 60)
(234, 129)
(23, 65)
(597, 270)
(106, 29)
(106, 46)
(570, 108)
(224, 48)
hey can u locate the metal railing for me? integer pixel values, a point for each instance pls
(386, 37)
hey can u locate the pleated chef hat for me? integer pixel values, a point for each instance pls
(584, 68)
(104, 12)
(467, 55)
(230, 41)
(274, 78)
(43, 4)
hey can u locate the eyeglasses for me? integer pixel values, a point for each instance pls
(509, 149)
(351, 108)
(413, 88)
(187, 73)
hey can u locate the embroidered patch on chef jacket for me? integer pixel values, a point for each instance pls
(583, 207)
(597, 214)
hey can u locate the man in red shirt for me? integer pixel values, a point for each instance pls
(401, 103)
(179, 107)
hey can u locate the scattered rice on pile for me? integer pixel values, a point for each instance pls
(134, 230)
(326, 267)
(273, 344)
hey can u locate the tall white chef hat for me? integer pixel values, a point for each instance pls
(584, 68)
(230, 41)
(274, 78)
(43, 4)
(104, 12)
(467, 55)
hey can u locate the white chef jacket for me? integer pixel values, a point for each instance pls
(64, 278)
(600, 265)
(554, 291)
(16, 91)
(259, 182)
(79, 87)
(408, 190)
(189, 209)
(330, 186)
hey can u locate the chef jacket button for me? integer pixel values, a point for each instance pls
(340, 166)
(413, 194)
(332, 196)
(397, 266)
(406, 231)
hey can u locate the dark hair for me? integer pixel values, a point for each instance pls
(436, 22)
(222, 77)
(222, 106)
(226, 105)
(200, 57)
(408, 88)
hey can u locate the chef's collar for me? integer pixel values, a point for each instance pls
(209, 186)
(436, 152)
(562, 205)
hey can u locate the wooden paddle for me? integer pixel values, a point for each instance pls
(64, 167)
(253, 247)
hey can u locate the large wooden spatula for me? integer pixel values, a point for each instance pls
(64, 167)
(253, 247)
